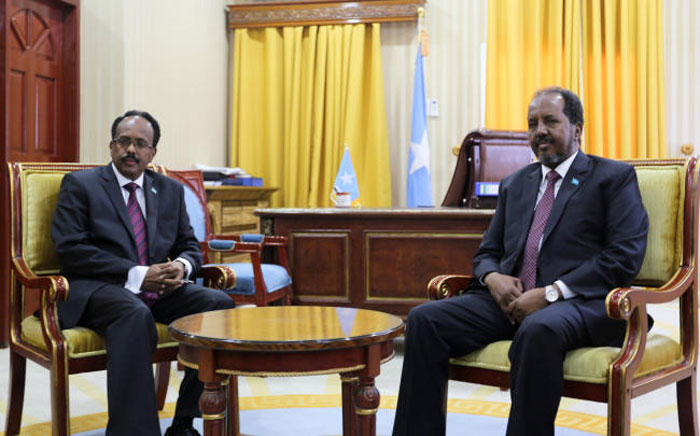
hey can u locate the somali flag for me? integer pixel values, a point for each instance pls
(346, 180)
(418, 182)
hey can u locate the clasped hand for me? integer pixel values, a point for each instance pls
(164, 278)
(510, 296)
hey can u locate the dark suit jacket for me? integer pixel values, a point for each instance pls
(595, 238)
(94, 239)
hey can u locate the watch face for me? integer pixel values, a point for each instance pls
(551, 295)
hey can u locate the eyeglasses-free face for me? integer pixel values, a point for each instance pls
(132, 161)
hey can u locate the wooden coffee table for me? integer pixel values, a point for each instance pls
(288, 341)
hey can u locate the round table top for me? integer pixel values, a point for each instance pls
(286, 328)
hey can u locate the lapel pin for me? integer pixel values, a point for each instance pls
(574, 181)
(155, 191)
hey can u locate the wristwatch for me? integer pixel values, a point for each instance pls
(551, 294)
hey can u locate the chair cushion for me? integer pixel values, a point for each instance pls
(662, 195)
(589, 364)
(196, 213)
(81, 341)
(275, 276)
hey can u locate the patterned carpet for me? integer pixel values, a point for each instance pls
(309, 415)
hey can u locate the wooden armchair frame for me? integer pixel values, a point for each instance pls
(193, 180)
(630, 305)
(50, 287)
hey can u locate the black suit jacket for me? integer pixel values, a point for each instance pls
(595, 238)
(94, 239)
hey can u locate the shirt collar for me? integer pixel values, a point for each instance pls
(123, 180)
(562, 168)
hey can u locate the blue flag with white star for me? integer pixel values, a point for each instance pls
(346, 180)
(418, 182)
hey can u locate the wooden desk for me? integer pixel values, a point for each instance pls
(288, 340)
(231, 210)
(377, 259)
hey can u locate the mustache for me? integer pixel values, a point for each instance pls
(130, 156)
(544, 139)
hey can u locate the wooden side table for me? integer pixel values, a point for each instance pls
(231, 209)
(288, 341)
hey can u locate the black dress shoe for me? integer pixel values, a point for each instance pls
(181, 431)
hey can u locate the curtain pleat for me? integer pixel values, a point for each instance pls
(624, 99)
(300, 96)
(530, 45)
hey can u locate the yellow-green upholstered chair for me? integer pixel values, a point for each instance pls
(35, 283)
(646, 361)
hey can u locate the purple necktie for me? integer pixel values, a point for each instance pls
(528, 273)
(138, 224)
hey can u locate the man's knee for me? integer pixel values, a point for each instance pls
(218, 300)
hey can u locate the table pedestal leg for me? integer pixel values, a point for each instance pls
(366, 404)
(212, 404)
(349, 384)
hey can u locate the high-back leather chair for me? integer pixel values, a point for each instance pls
(645, 362)
(486, 156)
(35, 277)
(255, 282)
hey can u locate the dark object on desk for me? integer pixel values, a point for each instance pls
(486, 156)
(242, 181)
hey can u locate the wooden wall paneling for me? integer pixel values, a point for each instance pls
(40, 95)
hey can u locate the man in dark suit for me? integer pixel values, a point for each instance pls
(566, 231)
(116, 229)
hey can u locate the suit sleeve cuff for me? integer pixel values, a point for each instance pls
(565, 291)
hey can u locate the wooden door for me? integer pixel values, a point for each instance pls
(39, 71)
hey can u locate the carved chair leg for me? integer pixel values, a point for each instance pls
(18, 370)
(60, 409)
(687, 406)
(162, 380)
(619, 415)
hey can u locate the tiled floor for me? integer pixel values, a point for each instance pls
(87, 391)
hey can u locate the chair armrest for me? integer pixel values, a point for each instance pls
(219, 277)
(447, 285)
(55, 286)
(630, 304)
(276, 240)
(621, 302)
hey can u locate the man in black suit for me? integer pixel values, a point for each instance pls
(557, 244)
(116, 229)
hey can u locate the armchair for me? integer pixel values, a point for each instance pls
(255, 282)
(645, 362)
(34, 191)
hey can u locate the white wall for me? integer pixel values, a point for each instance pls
(682, 60)
(168, 57)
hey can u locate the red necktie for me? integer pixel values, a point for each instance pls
(137, 223)
(528, 273)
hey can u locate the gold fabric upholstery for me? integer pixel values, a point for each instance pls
(38, 205)
(662, 195)
(589, 364)
(81, 341)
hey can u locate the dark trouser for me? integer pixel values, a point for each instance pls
(439, 330)
(128, 327)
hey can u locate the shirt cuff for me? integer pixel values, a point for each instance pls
(565, 291)
(188, 266)
(135, 278)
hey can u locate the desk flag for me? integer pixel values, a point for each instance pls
(418, 182)
(346, 180)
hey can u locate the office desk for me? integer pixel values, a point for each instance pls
(378, 259)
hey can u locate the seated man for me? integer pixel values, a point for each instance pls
(116, 229)
(566, 231)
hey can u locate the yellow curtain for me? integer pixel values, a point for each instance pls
(624, 102)
(530, 44)
(300, 95)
